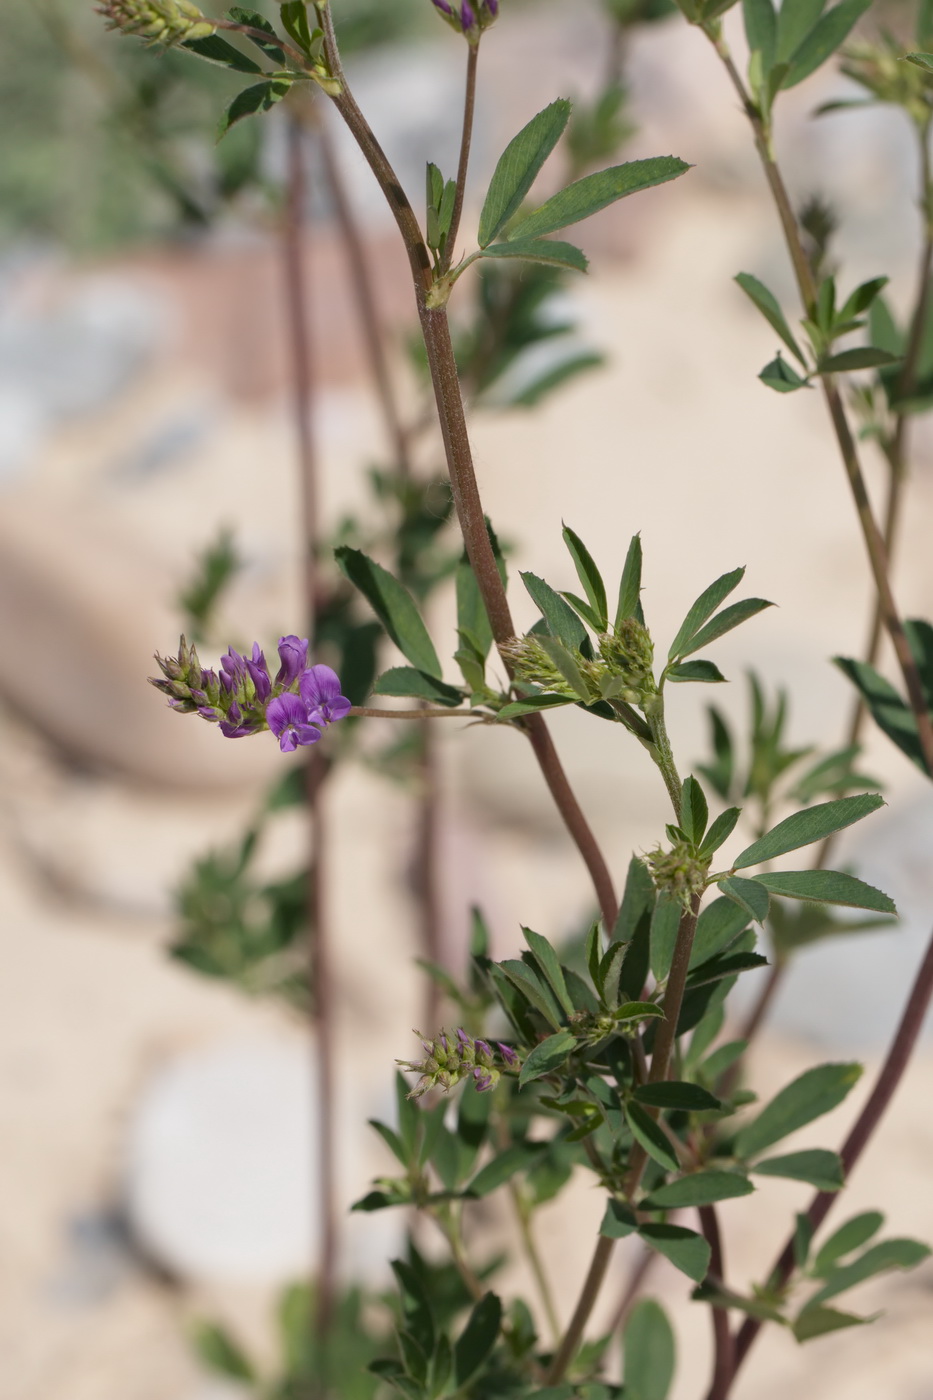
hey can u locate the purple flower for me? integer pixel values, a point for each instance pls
(289, 721)
(507, 1053)
(467, 17)
(293, 652)
(482, 1079)
(233, 665)
(443, 5)
(319, 688)
(259, 672)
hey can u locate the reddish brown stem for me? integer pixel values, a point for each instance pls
(723, 1349)
(886, 1084)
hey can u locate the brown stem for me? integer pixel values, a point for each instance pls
(723, 1349)
(660, 1065)
(443, 366)
(874, 541)
(298, 58)
(636, 1282)
(319, 963)
(466, 139)
(369, 712)
(889, 1077)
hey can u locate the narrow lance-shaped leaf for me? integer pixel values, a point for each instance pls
(888, 1254)
(548, 962)
(477, 1339)
(826, 887)
(547, 1057)
(217, 50)
(547, 251)
(761, 29)
(749, 895)
(630, 586)
(817, 1167)
(589, 576)
(809, 1096)
(393, 605)
(594, 192)
(769, 307)
(259, 98)
(560, 617)
(694, 812)
(795, 20)
(704, 607)
(823, 40)
(518, 166)
(804, 828)
(646, 1132)
(405, 680)
(849, 1237)
(698, 1189)
(859, 357)
(886, 707)
(724, 622)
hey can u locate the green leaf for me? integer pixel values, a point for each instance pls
(531, 987)
(719, 925)
(823, 40)
(471, 611)
(618, 1221)
(633, 928)
(889, 1254)
(549, 964)
(502, 1168)
(817, 1167)
(761, 30)
(478, 1338)
(533, 704)
(518, 167)
(767, 302)
(725, 965)
(584, 610)
(589, 576)
(672, 1093)
(649, 1352)
(295, 23)
(826, 887)
(560, 617)
(720, 831)
(862, 298)
(795, 20)
(273, 48)
(860, 357)
(921, 60)
(887, 708)
(703, 608)
(698, 1189)
(782, 377)
(665, 923)
(217, 50)
(260, 98)
(694, 812)
(804, 828)
(653, 1139)
(547, 1056)
(816, 1322)
(393, 605)
(685, 1249)
(638, 1011)
(594, 192)
(221, 1353)
(850, 1236)
(629, 604)
(549, 252)
(748, 895)
(392, 1141)
(725, 621)
(700, 670)
(566, 663)
(809, 1096)
(405, 680)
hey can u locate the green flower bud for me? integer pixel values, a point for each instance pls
(164, 22)
(678, 872)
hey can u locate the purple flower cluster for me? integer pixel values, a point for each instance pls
(243, 698)
(450, 1059)
(468, 17)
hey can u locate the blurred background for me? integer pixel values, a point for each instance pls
(157, 1096)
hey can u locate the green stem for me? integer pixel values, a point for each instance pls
(662, 753)
(532, 1254)
(469, 109)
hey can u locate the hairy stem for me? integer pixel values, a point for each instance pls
(319, 966)
(874, 541)
(889, 1077)
(466, 140)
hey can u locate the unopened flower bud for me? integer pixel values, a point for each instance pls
(468, 17)
(157, 21)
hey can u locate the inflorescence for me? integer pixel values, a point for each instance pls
(243, 699)
(450, 1059)
(468, 17)
(158, 21)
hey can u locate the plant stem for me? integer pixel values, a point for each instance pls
(319, 962)
(466, 139)
(532, 1254)
(874, 541)
(660, 1065)
(443, 367)
(889, 1077)
(723, 1348)
(369, 712)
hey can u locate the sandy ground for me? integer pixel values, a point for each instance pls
(106, 795)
